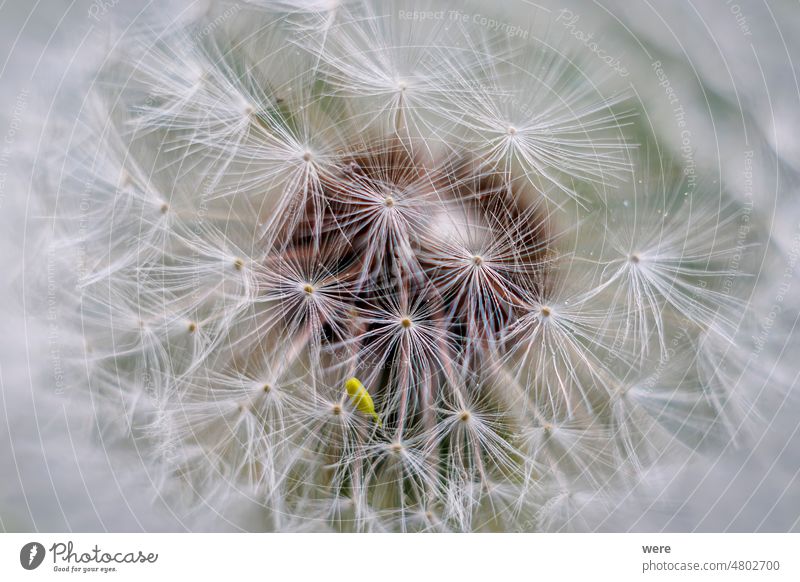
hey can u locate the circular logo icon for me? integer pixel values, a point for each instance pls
(31, 555)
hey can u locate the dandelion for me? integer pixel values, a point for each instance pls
(549, 127)
(357, 272)
(668, 252)
(394, 70)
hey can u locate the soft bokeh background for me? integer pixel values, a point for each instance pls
(734, 66)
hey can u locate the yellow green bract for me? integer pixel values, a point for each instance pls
(361, 398)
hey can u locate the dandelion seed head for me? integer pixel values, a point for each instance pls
(405, 205)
